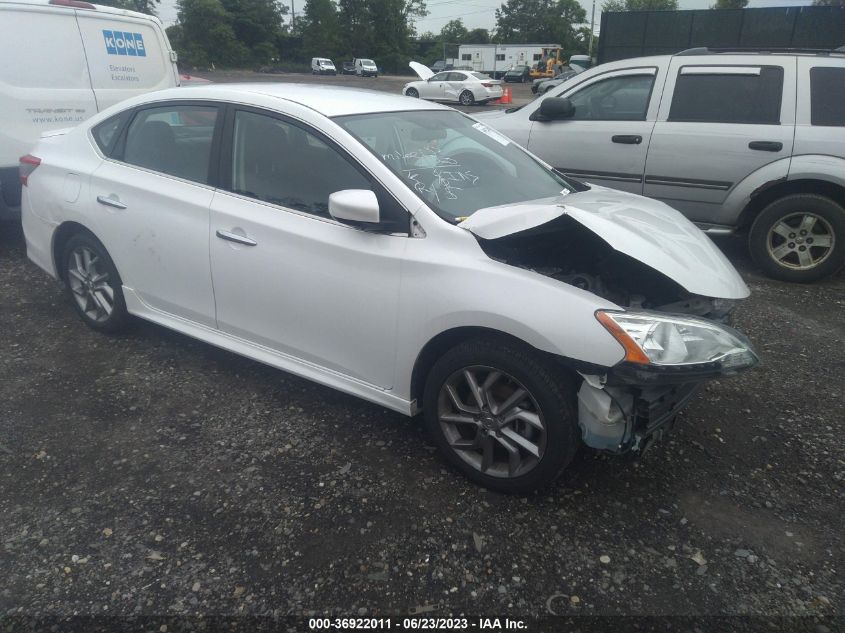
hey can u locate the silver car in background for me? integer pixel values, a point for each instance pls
(737, 141)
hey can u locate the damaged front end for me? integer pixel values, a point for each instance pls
(674, 339)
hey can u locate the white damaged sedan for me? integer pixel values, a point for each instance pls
(396, 250)
(462, 86)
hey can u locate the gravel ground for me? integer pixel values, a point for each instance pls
(147, 473)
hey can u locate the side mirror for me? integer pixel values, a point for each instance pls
(354, 206)
(554, 109)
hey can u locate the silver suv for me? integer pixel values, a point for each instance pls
(736, 141)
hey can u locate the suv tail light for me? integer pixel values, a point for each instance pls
(27, 165)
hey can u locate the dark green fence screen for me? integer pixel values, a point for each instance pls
(627, 34)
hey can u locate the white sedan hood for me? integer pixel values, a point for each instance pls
(647, 230)
(423, 71)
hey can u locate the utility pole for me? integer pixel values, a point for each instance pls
(293, 14)
(592, 29)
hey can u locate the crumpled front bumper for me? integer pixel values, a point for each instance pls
(625, 418)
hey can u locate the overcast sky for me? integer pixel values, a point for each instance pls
(481, 13)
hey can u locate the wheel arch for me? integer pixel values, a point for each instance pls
(446, 340)
(775, 191)
(61, 235)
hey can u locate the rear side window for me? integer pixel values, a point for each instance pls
(827, 96)
(732, 96)
(105, 134)
(173, 140)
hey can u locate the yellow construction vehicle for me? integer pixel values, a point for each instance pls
(546, 66)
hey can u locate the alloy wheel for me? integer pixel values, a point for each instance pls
(466, 98)
(89, 283)
(491, 421)
(800, 241)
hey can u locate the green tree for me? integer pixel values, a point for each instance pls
(523, 21)
(730, 4)
(355, 26)
(206, 37)
(454, 32)
(257, 25)
(478, 36)
(830, 3)
(320, 29)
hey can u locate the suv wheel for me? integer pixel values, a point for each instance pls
(93, 284)
(799, 238)
(502, 415)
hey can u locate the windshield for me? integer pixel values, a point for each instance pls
(456, 165)
(367, 62)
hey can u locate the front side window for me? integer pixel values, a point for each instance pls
(283, 164)
(440, 77)
(827, 96)
(173, 140)
(623, 98)
(453, 163)
(735, 95)
(457, 77)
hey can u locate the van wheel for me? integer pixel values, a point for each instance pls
(466, 98)
(93, 284)
(502, 415)
(799, 238)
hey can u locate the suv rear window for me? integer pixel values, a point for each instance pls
(827, 96)
(729, 96)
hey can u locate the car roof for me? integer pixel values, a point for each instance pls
(98, 8)
(327, 100)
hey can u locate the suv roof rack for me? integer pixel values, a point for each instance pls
(704, 50)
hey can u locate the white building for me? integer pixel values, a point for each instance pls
(496, 59)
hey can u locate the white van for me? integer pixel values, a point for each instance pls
(322, 66)
(366, 68)
(64, 61)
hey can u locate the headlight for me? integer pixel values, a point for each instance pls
(678, 341)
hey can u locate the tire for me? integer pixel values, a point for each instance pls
(550, 393)
(412, 92)
(799, 238)
(466, 98)
(93, 284)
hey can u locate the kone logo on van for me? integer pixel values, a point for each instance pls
(120, 43)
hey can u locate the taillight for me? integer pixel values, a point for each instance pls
(488, 85)
(27, 165)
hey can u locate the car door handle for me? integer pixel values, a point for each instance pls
(766, 146)
(234, 237)
(111, 201)
(627, 139)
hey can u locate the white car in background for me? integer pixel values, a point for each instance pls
(463, 86)
(397, 250)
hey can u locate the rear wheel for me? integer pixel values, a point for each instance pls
(466, 98)
(93, 283)
(502, 415)
(799, 238)
(412, 92)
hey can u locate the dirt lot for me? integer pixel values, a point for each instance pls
(148, 473)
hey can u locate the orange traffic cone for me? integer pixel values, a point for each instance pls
(506, 96)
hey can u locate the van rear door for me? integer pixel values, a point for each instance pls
(127, 55)
(44, 82)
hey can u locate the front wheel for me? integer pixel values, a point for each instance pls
(412, 92)
(799, 238)
(466, 98)
(502, 415)
(94, 284)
